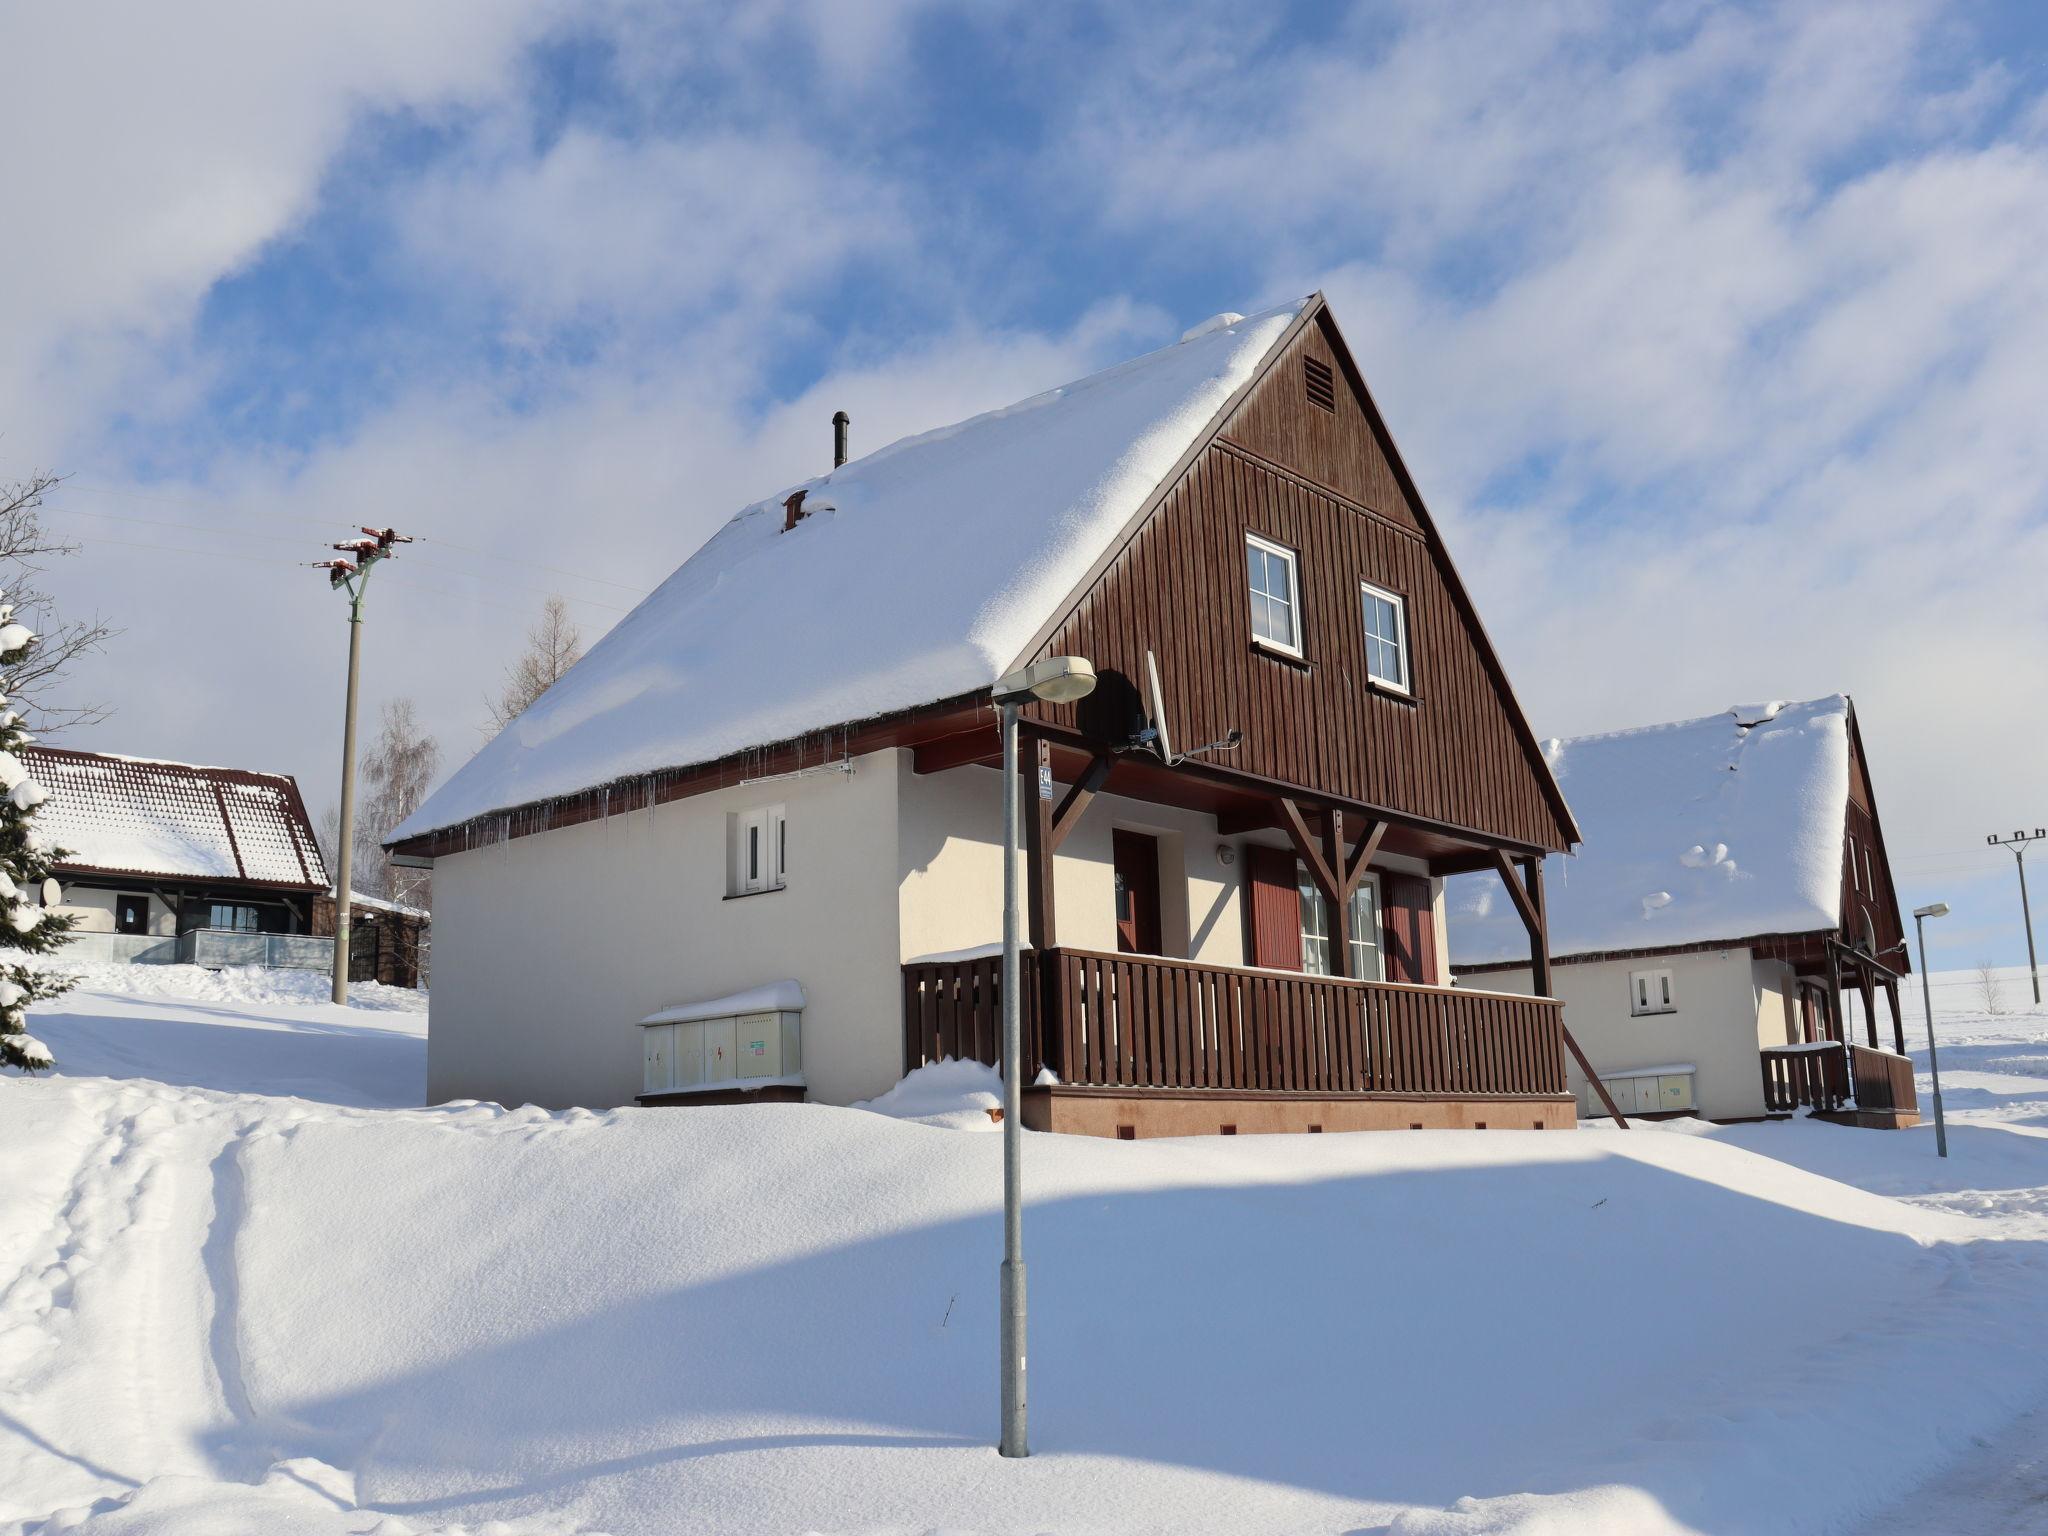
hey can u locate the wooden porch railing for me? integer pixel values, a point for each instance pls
(1884, 1080)
(1814, 1076)
(1139, 1021)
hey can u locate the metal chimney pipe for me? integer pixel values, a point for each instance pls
(840, 422)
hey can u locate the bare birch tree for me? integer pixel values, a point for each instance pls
(396, 772)
(26, 548)
(553, 646)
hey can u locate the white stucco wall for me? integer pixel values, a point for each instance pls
(94, 910)
(1728, 1004)
(951, 872)
(548, 949)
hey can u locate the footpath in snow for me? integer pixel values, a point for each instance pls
(248, 1284)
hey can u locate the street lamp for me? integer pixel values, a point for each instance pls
(1056, 680)
(1920, 916)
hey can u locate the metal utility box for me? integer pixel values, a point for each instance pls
(1675, 1091)
(770, 1045)
(721, 1050)
(726, 1048)
(658, 1044)
(689, 1054)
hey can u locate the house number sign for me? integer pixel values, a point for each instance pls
(1045, 781)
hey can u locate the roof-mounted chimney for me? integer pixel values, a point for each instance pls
(793, 510)
(840, 422)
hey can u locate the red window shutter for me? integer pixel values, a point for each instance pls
(1411, 929)
(1274, 908)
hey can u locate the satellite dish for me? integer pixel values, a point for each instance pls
(53, 894)
(1157, 700)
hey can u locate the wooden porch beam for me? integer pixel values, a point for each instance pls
(1360, 857)
(1592, 1077)
(1084, 790)
(1531, 918)
(1305, 845)
(1898, 1025)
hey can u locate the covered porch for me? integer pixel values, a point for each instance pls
(1309, 1036)
(1829, 1072)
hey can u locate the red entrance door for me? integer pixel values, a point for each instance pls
(1136, 857)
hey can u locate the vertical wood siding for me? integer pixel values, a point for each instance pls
(1451, 753)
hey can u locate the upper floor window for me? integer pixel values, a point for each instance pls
(760, 850)
(1275, 594)
(1386, 636)
(1650, 992)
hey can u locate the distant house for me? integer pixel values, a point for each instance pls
(1731, 907)
(388, 941)
(751, 842)
(169, 861)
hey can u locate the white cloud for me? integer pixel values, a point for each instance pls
(154, 149)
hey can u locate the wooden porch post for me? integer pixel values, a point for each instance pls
(1035, 768)
(1891, 989)
(1539, 937)
(1338, 897)
(1869, 992)
(1308, 849)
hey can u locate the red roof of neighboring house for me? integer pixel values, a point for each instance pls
(138, 816)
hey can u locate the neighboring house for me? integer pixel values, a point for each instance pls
(168, 861)
(763, 814)
(388, 941)
(1730, 907)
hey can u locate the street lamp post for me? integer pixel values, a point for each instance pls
(1058, 680)
(1920, 916)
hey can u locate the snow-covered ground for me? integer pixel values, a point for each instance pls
(248, 1284)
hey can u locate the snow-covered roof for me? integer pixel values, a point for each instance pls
(922, 572)
(1722, 828)
(144, 816)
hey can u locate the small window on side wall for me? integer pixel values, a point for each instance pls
(1275, 594)
(760, 851)
(1386, 636)
(1650, 992)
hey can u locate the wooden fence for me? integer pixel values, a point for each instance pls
(1139, 1021)
(1813, 1076)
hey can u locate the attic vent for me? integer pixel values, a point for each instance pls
(1321, 385)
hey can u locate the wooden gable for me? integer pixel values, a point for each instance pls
(1870, 902)
(1303, 459)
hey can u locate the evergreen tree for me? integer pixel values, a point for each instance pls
(26, 924)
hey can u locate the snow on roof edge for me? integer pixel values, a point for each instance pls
(1082, 519)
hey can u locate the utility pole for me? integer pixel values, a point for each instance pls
(351, 573)
(2018, 844)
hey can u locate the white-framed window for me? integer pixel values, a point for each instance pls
(1275, 594)
(1855, 874)
(760, 850)
(1650, 992)
(1315, 928)
(1386, 636)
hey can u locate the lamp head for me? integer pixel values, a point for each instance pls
(1932, 909)
(1057, 680)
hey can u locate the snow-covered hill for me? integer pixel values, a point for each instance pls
(247, 1284)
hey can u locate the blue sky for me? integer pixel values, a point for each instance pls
(1710, 332)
